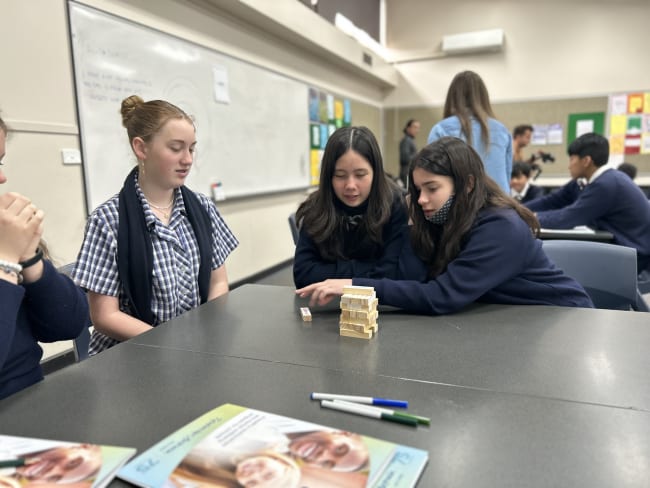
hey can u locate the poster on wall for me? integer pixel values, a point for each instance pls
(629, 124)
(583, 123)
(327, 113)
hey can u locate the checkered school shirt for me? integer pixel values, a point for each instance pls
(175, 252)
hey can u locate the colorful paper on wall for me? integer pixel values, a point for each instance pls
(540, 134)
(646, 122)
(326, 114)
(618, 104)
(645, 143)
(617, 144)
(635, 103)
(314, 105)
(347, 112)
(314, 166)
(338, 113)
(634, 125)
(314, 136)
(633, 144)
(617, 124)
(330, 108)
(555, 134)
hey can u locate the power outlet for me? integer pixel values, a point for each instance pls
(71, 156)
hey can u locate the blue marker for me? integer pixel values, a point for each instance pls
(384, 402)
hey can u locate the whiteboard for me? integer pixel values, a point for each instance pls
(252, 124)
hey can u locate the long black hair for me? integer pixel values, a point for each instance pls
(318, 214)
(473, 189)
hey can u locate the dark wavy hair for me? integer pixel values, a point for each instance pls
(318, 214)
(437, 245)
(468, 97)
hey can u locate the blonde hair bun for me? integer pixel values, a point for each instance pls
(129, 104)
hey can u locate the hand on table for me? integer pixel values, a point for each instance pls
(324, 292)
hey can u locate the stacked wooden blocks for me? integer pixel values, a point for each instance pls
(358, 312)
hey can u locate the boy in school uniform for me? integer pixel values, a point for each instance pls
(521, 188)
(610, 201)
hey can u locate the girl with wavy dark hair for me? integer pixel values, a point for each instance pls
(352, 226)
(469, 242)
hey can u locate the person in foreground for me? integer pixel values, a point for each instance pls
(157, 249)
(36, 302)
(469, 243)
(610, 201)
(353, 224)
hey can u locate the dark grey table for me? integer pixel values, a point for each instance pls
(587, 355)
(518, 396)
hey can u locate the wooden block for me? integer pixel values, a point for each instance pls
(358, 317)
(357, 327)
(358, 290)
(357, 302)
(358, 314)
(358, 335)
(306, 314)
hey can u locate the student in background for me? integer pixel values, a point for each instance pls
(610, 201)
(407, 148)
(629, 169)
(470, 242)
(352, 225)
(468, 115)
(157, 249)
(36, 302)
(520, 186)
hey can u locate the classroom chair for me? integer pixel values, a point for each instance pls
(607, 272)
(80, 344)
(644, 281)
(293, 225)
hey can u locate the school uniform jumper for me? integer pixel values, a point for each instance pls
(497, 158)
(488, 269)
(48, 310)
(611, 201)
(362, 257)
(530, 193)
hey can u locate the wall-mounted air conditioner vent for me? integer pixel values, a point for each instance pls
(486, 40)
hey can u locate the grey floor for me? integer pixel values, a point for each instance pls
(282, 277)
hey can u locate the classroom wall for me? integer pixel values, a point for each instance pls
(574, 51)
(37, 100)
(577, 50)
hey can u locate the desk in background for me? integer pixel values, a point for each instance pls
(518, 395)
(576, 235)
(643, 180)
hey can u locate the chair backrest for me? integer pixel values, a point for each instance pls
(607, 272)
(80, 344)
(293, 225)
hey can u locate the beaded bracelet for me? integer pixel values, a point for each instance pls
(11, 268)
(33, 260)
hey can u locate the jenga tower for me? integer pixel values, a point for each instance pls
(358, 312)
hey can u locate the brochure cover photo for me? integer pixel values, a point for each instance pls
(233, 446)
(41, 463)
